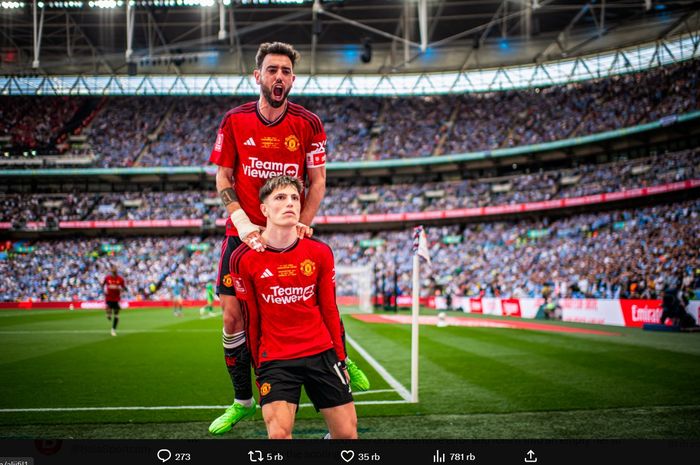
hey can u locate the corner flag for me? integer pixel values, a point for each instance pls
(420, 243)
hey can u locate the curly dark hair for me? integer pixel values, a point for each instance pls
(276, 48)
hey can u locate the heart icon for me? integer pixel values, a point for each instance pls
(347, 455)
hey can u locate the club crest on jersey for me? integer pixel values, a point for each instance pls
(227, 280)
(292, 143)
(307, 267)
(265, 389)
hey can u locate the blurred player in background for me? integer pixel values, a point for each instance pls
(257, 141)
(113, 285)
(294, 330)
(208, 309)
(177, 288)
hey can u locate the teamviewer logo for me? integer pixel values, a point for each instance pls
(291, 169)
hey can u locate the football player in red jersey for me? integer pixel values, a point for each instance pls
(294, 330)
(255, 142)
(113, 285)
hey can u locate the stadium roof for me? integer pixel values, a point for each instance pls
(364, 36)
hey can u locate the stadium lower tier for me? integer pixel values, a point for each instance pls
(619, 254)
(585, 180)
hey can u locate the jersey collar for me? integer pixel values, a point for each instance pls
(275, 122)
(286, 249)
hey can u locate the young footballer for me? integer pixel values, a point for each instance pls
(295, 336)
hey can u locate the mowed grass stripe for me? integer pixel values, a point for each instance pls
(677, 422)
(389, 344)
(129, 369)
(519, 381)
(472, 379)
(613, 377)
(537, 370)
(623, 373)
(51, 331)
(178, 364)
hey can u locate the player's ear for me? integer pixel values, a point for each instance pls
(263, 209)
(256, 74)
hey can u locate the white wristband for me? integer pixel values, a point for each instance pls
(243, 224)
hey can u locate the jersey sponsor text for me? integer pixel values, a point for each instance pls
(269, 169)
(288, 295)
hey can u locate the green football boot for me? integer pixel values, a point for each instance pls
(231, 416)
(358, 380)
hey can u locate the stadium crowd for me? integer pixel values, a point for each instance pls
(620, 254)
(623, 254)
(545, 185)
(170, 131)
(34, 123)
(351, 200)
(73, 269)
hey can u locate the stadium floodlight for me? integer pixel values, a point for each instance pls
(12, 5)
(273, 2)
(173, 3)
(106, 4)
(61, 5)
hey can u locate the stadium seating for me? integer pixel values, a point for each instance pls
(349, 200)
(628, 253)
(169, 131)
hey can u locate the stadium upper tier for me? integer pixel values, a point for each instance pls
(620, 254)
(552, 184)
(180, 131)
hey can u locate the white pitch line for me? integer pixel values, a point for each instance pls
(164, 407)
(375, 391)
(398, 387)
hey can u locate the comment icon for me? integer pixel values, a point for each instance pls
(164, 455)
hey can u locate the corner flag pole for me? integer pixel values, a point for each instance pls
(420, 249)
(414, 328)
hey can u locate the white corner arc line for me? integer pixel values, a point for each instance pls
(398, 387)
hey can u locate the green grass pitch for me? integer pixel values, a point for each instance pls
(64, 376)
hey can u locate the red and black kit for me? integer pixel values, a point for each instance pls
(292, 321)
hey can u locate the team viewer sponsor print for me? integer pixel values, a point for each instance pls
(288, 295)
(257, 168)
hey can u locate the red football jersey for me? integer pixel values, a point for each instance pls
(289, 299)
(113, 286)
(258, 149)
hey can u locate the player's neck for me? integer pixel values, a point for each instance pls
(268, 111)
(279, 237)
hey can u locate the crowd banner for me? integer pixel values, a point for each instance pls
(613, 312)
(391, 217)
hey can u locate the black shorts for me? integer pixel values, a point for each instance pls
(224, 282)
(114, 306)
(323, 381)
